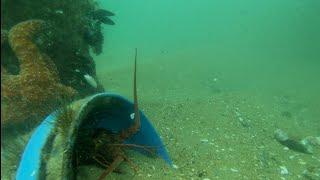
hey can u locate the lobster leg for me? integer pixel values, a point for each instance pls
(133, 166)
(112, 167)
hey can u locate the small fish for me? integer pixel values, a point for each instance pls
(106, 20)
(101, 15)
(103, 12)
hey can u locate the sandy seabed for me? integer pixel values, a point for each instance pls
(215, 133)
(229, 136)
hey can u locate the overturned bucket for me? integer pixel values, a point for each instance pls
(53, 143)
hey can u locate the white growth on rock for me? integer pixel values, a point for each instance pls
(90, 80)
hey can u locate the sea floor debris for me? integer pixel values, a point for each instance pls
(303, 145)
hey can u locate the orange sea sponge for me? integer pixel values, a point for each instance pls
(36, 90)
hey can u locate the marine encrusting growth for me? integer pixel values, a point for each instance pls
(36, 90)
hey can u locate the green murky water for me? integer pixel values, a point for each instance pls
(216, 79)
(230, 72)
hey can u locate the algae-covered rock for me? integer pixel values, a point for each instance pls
(69, 26)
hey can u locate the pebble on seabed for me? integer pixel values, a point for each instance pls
(175, 166)
(234, 170)
(283, 170)
(204, 140)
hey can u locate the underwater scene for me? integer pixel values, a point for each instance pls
(170, 89)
